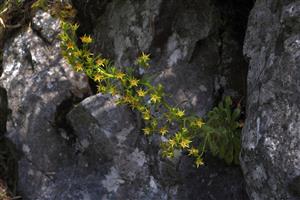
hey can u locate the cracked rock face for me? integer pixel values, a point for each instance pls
(194, 46)
(271, 147)
(37, 81)
(107, 137)
(196, 54)
(95, 150)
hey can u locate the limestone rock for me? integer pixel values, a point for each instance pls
(270, 157)
(196, 52)
(38, 81)
(107, 137)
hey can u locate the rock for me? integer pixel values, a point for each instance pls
(38, 81)
(107, 136)
(270, 149)
(196, 52)
(95, 150)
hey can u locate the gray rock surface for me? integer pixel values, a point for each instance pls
(38, 81)
(271, 147)
(94, 150)
(196, 51)
(107, 135)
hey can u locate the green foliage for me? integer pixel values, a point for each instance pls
(222, 131)
(219, 134)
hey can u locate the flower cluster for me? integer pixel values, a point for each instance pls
(181, 131)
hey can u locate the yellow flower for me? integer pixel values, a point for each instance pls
(193, 152)
(70, 45)
(145, 57)
(101, 88)
(98, 77)
(127, 99)
(180, 113)
(172, 142)
(133, 82)
(199, 162)
(163, 131)
(101, 62)
(141, 93)
(146, 115)
(75, 26)
(185, 143)
(79, 67)
(147, 131)
(155, 98)
(199, 123)
(86, 39)
(120, 75)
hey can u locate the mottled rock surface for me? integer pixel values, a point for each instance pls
(196, 51)
(107, 141)
(271, 146)
(73, 147)
(194, 54)
(38, 81)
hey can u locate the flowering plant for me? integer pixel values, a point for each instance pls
(182, 132)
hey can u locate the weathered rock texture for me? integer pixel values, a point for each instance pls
(107, 137)
(196, 51)
(95, 150)
(271, 146)
(37, 81)
(195, 47)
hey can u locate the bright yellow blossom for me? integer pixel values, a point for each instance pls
(141, 93)
(163, 131)
(70, 45)
(193, 152)
(120, 75)
(79, 67)
(144, 59)
(199, 162)
(98, 77)
(127, 99)
(199, 123)
(86, 39)
(146, 115)
(101, 62)
(155, 98)
(133, 82)
(147, 131)
(180, 113)
(185, 143)
(101, 88)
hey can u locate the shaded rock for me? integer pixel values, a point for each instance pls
(270, 156)
(107, 136)
(196, 55)
(196, 51)
(37, 81)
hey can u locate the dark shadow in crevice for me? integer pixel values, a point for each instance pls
(8, 152)
(61, 122)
